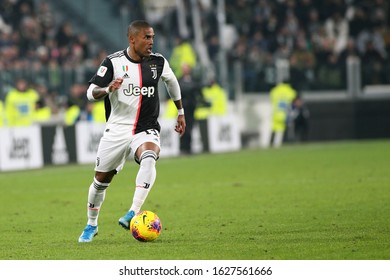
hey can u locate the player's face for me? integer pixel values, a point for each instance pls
(143, 42)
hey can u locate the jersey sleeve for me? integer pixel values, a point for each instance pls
(171, 82)
(104, 74)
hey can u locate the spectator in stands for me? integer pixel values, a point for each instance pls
(303, 12)
(302, 64)
(373, 62)
(4, 27)
(20, 104)
(65, 34)
(313, 24)
(21, 10)
(330, 73)
(372, 39)
(240, 15)
(336, 28)
(358, 22)
(82, 42)
(349, 52)
(46, 19)
(30, 36)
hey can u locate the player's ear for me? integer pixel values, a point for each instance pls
(131, 39)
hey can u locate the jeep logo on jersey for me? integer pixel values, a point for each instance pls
(137, 91)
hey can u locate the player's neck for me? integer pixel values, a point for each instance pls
(133, 56)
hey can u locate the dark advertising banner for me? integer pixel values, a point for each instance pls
(58, 144)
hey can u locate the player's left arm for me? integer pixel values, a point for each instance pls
(174, 92)
(181, 120)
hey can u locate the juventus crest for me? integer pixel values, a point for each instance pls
(153, 68)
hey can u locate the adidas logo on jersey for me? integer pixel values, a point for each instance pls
(125, 76)
(137, 91)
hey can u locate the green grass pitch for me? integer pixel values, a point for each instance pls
(318, 201)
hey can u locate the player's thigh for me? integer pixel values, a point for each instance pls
(111, 154)
(149, 139)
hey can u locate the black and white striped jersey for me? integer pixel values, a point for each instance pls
(137, 102)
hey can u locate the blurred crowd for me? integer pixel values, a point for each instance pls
(316, 37)
(46, 56)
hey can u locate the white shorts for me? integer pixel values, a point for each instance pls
(118, 143)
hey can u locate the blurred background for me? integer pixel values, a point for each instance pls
(334, 54)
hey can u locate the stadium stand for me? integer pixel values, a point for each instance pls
(38, 43)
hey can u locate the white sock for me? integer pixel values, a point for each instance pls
(144, 182)
(96, 195)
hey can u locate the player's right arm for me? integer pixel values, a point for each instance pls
(102, 83)
(95, 92)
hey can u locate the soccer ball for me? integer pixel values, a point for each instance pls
(145, 226)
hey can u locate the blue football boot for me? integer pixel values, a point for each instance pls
(88, 234)
(126, 219)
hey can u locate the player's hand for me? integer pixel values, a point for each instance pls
(115, 84)
(181, 125)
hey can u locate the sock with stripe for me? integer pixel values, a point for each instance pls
(145, 179)
(96, 195)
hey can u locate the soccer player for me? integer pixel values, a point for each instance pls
(127, 80)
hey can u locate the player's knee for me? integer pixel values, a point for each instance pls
(148, 158)
(99, 185)
(105, 177)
